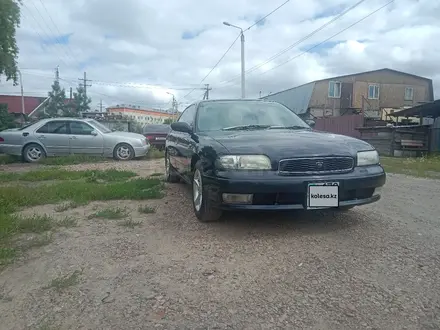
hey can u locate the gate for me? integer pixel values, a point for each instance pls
(345, 125)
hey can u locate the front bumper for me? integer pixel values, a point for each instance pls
(141, 151)
(273, 192)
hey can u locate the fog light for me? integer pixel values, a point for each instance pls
(237, 198)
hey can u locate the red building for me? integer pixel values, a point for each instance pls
(14, 103)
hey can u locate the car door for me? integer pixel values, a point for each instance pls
(185, 142)
(84, 139)
(53, 135)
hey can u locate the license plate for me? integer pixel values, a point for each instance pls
(160, 138)
(322, 195)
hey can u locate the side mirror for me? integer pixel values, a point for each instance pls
(94, 133)
(181, 127)
(310, 122)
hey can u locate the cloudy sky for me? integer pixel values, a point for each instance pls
(135, 51)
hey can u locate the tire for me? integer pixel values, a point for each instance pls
(33, 153)
(202, 204)
(170, 172)
(123, 151)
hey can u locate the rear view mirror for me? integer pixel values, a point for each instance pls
(181, 127)
(94, 133)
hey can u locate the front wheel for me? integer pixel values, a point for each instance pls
(33, 153)
(202, 204)
(123, 151)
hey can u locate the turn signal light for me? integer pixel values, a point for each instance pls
(2, 139)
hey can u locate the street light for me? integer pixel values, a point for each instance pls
(243, 94)
(174, 102)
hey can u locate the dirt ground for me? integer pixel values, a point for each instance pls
(375, 267)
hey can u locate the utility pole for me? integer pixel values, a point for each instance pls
(71, 94)
(100, 106)
(243, 93)
(206, 95)
(57, 74)
(85, 80)
(22, 93)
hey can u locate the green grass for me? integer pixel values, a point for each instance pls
(111, 213)
(61, 174)
(154, 153)
(426, 167)
(66, 206)
(130, 223)
(8, 159)
(145, 209)
(63, 282)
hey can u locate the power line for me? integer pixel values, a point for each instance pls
(297, 42)
(263, 18)
(218, 62)
(335, 35)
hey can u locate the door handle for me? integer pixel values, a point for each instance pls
(73, 137)
(41, 137)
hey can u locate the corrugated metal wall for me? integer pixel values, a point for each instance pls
(435, 136)
(345, 125)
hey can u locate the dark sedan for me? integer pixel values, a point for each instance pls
(259, 155)
(156, 134)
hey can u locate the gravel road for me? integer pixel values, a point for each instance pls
(375, 267)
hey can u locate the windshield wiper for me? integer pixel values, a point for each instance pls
(289, 127)
(245, 127)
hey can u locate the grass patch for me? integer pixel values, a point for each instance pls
(145, 209)
(73, 160)
(7, 255)
(63, 282)
(67, 206)
(110, 175)
(8, 159)
(154, 153)
(67, 222)
(130, 223)
(426, 167)
(111, 213)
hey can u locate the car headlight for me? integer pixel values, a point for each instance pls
(245, 162)
(365, 158)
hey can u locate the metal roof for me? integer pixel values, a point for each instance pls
(430, 109)
(296, 99)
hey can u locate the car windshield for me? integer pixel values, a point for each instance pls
(101, 127)
(156, 129)
(238, 115)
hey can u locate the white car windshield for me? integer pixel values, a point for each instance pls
(230, 115)
(101, 127)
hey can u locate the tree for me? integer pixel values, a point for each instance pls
(81, 103)
(6, 119)
(9, 22)
(56, 104)
(168, 121)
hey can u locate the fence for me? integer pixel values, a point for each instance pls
(345, 125)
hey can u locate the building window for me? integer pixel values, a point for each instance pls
(409, 93)
(334, 89)
(373, 92)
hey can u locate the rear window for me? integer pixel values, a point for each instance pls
(148, 129)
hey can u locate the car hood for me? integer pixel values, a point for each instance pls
(278, 144)
(126, 135)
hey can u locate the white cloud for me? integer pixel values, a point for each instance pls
(134, 52)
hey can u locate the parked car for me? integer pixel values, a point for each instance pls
(259, 155)
(64, 136)
(156, 134)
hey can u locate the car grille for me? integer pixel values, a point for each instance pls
(315, 165)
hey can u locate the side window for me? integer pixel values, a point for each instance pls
(188, 115)
(54, 127)
(80, 128)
